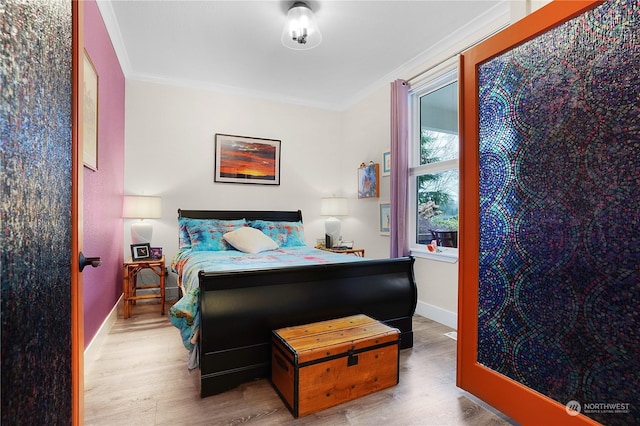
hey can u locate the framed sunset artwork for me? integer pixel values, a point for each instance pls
(240, 159)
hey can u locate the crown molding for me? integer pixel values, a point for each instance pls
(484, 25)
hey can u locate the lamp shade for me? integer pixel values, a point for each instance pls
(333, 206)
(141, 207)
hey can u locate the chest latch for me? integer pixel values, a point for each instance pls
(352, 359)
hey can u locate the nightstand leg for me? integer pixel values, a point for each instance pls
(126, 285)
(133, 289)
(162, 274)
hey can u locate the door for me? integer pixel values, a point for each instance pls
(40, 210)
(549, 292)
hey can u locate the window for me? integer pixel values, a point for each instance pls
(433, 164)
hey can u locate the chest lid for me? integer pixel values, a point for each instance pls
(336, 337)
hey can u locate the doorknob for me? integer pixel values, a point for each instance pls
(86, 261)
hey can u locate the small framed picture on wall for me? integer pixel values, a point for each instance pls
(385, 218)
(90, 118)
(386, 163)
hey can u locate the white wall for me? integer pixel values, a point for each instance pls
(366, 132)
(437, 283)
(169, 152)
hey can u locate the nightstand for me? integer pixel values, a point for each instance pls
(355, 252)
(130, 282)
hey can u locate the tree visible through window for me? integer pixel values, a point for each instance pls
(434, 174)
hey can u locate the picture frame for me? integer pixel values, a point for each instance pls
(241, 159)
(385, 218)
(156, 252)
(386, 163)
(369, 181)
(328, 241)
(140, 251)
(90, 114)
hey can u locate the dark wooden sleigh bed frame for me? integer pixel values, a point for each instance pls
(238, 310)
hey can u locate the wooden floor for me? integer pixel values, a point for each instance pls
(140, 378)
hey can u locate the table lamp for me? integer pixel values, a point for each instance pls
(141, 207)
(333, 206)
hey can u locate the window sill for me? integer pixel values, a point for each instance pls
(446, 254)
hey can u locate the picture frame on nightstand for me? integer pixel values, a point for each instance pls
(328, 241)
(140, 251)
(156, 252)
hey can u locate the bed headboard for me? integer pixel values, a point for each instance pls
(280, 216)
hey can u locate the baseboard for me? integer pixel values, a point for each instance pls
(448, 318)
(92, 350)
(171, 293)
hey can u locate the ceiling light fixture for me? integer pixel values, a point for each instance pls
(301, 30)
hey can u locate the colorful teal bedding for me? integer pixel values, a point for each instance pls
(187, 263)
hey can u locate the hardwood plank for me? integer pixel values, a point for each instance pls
(140, 377)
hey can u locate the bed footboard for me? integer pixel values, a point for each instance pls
(240, 309)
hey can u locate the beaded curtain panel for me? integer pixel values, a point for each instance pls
(559, 282)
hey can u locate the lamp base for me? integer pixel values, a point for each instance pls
(141, 232)
(332, 227)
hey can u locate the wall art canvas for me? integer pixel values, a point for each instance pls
(240, 159)
(90, 115)
(369, 181)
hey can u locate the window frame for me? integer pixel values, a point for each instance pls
(428, 82)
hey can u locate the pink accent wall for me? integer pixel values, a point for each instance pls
(104, 188)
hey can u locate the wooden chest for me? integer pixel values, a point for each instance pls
(316, 366)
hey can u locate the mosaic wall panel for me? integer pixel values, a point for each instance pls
(559, 282)
(35, 143)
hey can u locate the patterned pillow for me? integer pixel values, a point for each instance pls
(285, 234)
(206, 234)
(184, 241)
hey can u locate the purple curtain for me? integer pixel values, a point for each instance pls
(399, 167)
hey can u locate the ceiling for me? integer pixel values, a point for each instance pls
(234, 46)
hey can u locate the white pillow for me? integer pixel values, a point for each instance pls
(249, 240)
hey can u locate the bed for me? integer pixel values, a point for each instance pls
(227, 313)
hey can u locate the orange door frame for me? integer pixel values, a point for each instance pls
(77, 311)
